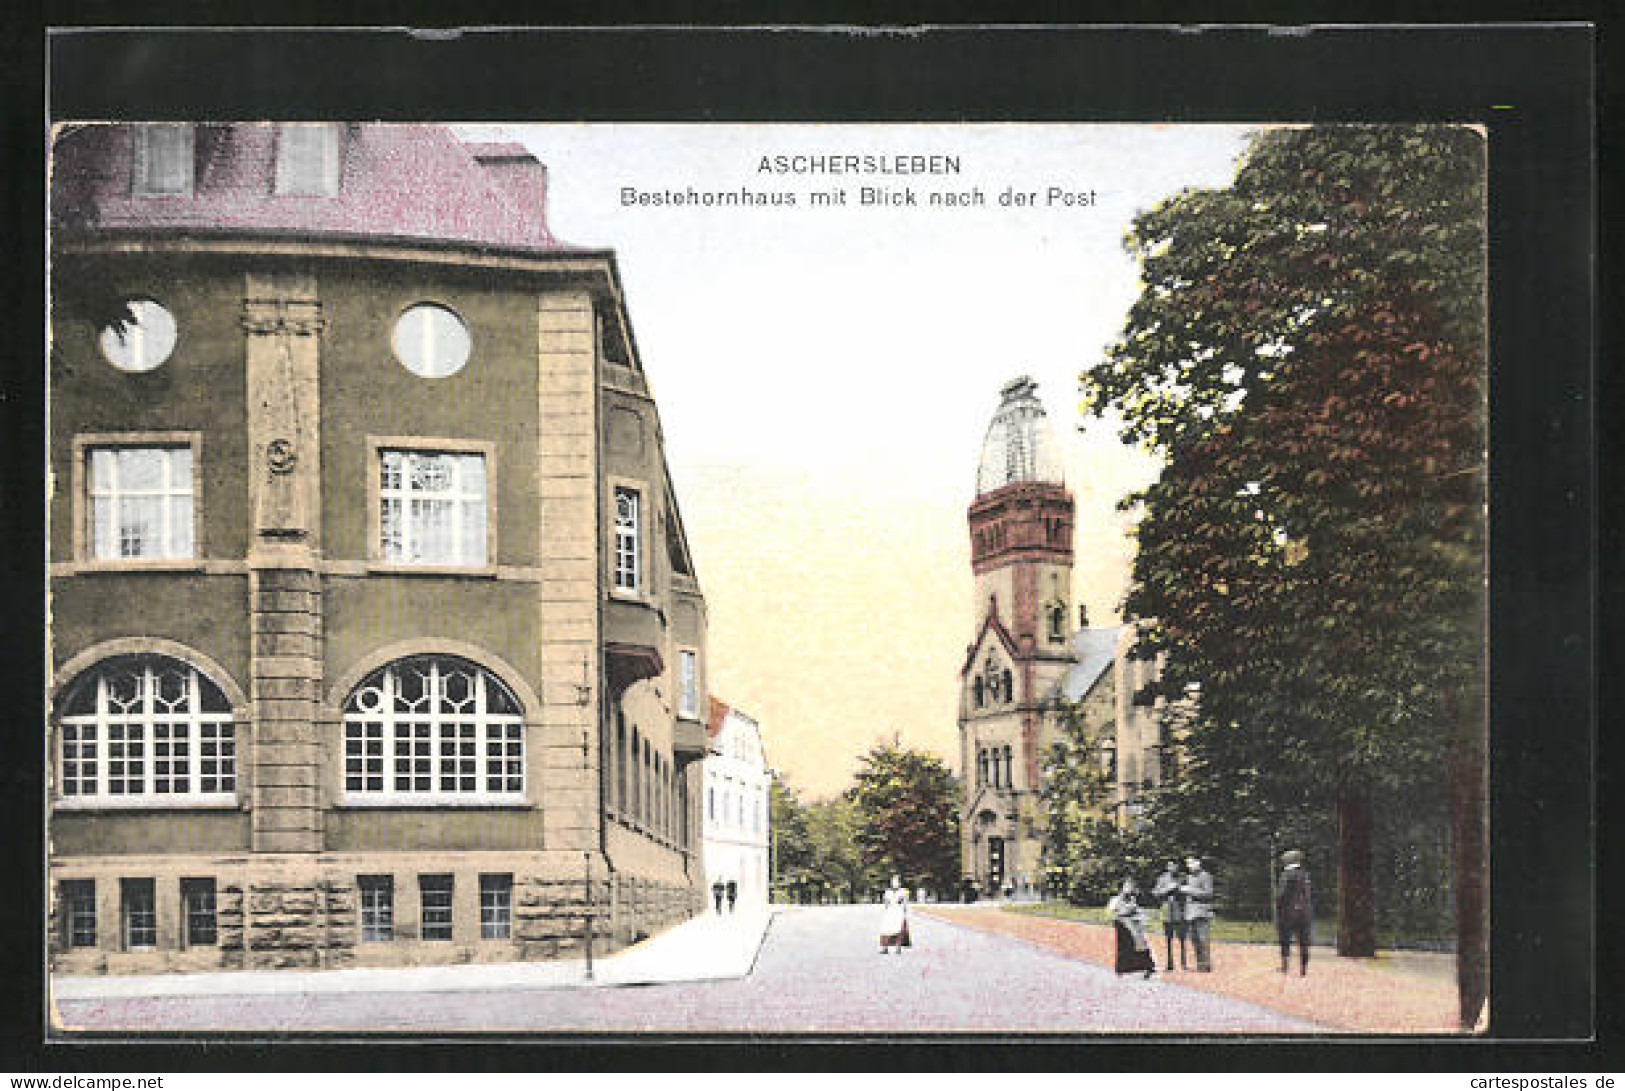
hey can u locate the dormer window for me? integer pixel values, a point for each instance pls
(163, 161)
(307, 160)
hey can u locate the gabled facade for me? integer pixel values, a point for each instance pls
(738, 818)
(374, 634)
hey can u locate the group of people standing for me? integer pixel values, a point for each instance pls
(1186, 897)
(1187, 914)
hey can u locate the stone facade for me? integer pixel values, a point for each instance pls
(279, 736)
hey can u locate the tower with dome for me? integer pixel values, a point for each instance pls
(1030, 652)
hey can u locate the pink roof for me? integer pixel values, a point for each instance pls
(396, 181)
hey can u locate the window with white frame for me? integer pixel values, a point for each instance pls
(496, 906)
(199, 905)
(307, 159)
(432, 507)
(78, 898)
(139, 913)
(435, 893)
(628, 539)
(141, 503)
(149, 729)
(688, 688)
(433, 728)
(377, 894)
(163, 160)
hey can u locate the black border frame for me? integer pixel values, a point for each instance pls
(1545, 930)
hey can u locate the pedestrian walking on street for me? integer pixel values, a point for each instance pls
(1166, 891)
(1133, 948)
(733, 894)
(1294, 910)
(717, 893)
(894, 917)
(1198, 891)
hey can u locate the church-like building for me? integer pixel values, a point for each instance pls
(1027, 661)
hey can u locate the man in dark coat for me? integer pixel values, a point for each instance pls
(1294, 910)
(718, 892)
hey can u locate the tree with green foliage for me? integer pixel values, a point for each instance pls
(1308, 357)
(793, 851)
(1087, 855)
(839, 870)
(908, 805)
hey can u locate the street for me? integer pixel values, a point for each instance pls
(819, 972)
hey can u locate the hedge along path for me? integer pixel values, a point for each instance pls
(1365, 996)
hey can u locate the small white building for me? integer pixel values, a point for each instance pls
(736, 831)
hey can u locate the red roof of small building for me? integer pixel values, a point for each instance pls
(396, 181)
(718, 713)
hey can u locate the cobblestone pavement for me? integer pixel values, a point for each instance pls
(819, 972)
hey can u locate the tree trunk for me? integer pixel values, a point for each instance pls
(1468, 819)
(1356, 905)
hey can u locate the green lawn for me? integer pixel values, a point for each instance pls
(1230, 931)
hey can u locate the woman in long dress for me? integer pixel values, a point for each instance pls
(1133, 949)
(894, 918)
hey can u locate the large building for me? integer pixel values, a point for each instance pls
(1026, 660)
(374, 635)
(738, 818)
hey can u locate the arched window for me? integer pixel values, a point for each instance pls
(1057, 621)
(146, 727)
(433, 727)
(1009, 768)
(979, 691)
(1007, 687)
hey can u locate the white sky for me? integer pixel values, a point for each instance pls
(825, 377)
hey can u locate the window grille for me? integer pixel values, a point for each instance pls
(141, 503)
(149, 728)
(433, 727)
(377, 907)
(432, 507)
(496, 906)
(628, 554)
(689, 666)
(199, 904)
(435, 896)
(140, 914)
(78, 898)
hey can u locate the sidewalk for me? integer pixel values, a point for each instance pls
(1394, 993)
(706, 948)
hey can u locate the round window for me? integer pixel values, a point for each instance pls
(431, 341)
(142, 343)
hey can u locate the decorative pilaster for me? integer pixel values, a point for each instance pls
(282, 324)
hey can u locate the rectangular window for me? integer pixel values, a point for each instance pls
(432, 507)
(198, 903)
(688, 699)
(140, 503)
(163, 160)
(496, 906)
(78, 899)
(628, 539)
(140, 914)
(435, 891)
(377, 907)
(307, 160)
